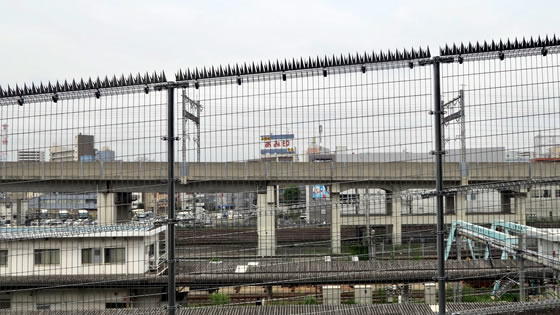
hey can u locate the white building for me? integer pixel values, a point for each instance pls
(54, 253)
(30, 156)
(82, 149)
(61, 154)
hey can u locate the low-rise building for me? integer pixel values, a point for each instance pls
(30, 156)
(82, 149)
(61, 154)
(104, 253)
(105, 155)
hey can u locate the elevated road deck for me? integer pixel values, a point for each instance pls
(250, 176)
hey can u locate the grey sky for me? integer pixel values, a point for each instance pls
(50, 40)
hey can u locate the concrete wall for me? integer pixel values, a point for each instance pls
(83, 299)
(68, 300)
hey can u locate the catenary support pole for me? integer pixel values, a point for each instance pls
(521, 261)
(439, 183)
(171, 303)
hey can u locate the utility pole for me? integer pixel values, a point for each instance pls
(459, 115)
(187, 115)
(438, 152)
(370, 244)
(463, 129)
(521, 264)
(171, 298)
(184, 121)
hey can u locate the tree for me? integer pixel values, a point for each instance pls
(291, 194)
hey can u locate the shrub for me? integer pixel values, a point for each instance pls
(219, 298)
(309, 300)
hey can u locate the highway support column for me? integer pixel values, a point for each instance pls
(335, 220)
(266, 222)
(396, 216)
(519, 202)
(106, 208)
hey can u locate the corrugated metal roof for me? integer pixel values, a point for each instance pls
(374, 309)
(202, 274)
(35, 232)
(543, 307)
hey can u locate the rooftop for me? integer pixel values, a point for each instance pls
(119, 230)
(545, 307)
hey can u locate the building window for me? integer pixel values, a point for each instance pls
(46, 256)
(115, 305)
(537, 193)
(114, 255)
(547, 193)
(43, 307)
(91, 256)
(349, 199)
(151, 250)
(3, 257)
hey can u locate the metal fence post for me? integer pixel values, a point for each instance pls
(438, 152)
(171, 303)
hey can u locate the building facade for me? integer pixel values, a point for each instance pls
(64, 201)
(61, 154)
(105, 155)
(83, 146)
(30, 156)
(101, 252)
(81, 150)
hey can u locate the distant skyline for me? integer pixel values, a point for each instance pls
(57, 40)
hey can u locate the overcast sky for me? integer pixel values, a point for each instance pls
(56, 40)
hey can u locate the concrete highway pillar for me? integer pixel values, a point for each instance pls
(430, 293)
(461, 205)
(520, 210)
(113, 208)
(106, 208)
(331, 294)
(21, 211)
(363, 294)
(335, 220)
(461, 201)
(266, 223)
(396, 220)
(459, 245)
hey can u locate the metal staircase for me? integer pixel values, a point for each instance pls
(502, 287)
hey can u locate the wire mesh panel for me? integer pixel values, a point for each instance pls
(296, 186)
(304, 181)
(80, 169)
(501, 124)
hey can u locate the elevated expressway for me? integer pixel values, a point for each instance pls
(253, 175)
(107, 178)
